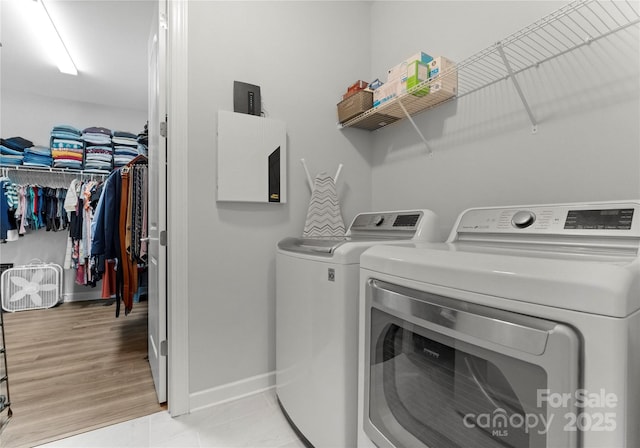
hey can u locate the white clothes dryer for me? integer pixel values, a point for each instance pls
(317, 284)
(522, 330)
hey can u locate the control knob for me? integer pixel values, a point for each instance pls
(378, 220)
(523, 219)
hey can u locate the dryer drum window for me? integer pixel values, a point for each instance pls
(447, 397)
(428, 389)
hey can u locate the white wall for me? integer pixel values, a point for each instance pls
(484, 153)
(33, 116)
(303, 55)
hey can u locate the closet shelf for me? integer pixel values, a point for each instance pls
(46, 169)
(577, 24)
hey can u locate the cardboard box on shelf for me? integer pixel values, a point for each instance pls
(354, 105)
(444, 76)
(400, 70)
(421, 57)
(388, 91)
(417, 72)
(397, 71)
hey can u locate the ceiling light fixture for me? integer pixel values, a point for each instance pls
(52, 40)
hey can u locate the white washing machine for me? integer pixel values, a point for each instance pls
(522, 330)
(317, 322)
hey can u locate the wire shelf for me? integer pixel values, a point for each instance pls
(47, 176)
(577, 24)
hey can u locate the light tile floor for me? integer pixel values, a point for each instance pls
(254, 421)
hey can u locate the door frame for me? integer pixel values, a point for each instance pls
(177, 208)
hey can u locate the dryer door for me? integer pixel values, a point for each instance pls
(446, 373)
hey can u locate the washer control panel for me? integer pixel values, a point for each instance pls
(609, 218)
(391, 221)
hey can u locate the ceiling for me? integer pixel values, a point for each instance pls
(107, 39)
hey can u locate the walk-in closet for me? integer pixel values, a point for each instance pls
(74, 188)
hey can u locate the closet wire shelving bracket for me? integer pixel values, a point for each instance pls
(516, 84)
(573, 26)
(415, 126)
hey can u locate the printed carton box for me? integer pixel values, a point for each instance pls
(388, 91)
(417, 72)
(445, 79)
(400, 70)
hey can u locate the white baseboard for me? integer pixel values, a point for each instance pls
(81, 296)
(231, 391)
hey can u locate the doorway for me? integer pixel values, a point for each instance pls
(181, 373)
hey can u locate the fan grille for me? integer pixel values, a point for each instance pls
(31, 287)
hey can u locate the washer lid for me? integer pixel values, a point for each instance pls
(315, 246)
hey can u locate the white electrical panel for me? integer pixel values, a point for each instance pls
(252, 157)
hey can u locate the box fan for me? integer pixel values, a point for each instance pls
(33, 286)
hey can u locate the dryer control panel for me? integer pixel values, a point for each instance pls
(595, 219)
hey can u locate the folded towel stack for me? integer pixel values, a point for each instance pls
(126, 148)
(12, 150)
(98, 156)
(38, 156)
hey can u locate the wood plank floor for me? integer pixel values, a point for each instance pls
(74, 368)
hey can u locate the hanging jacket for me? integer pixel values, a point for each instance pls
(105, 231)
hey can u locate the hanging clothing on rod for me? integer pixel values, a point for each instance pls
(80, 203)
(119, 230)
(31, 200)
